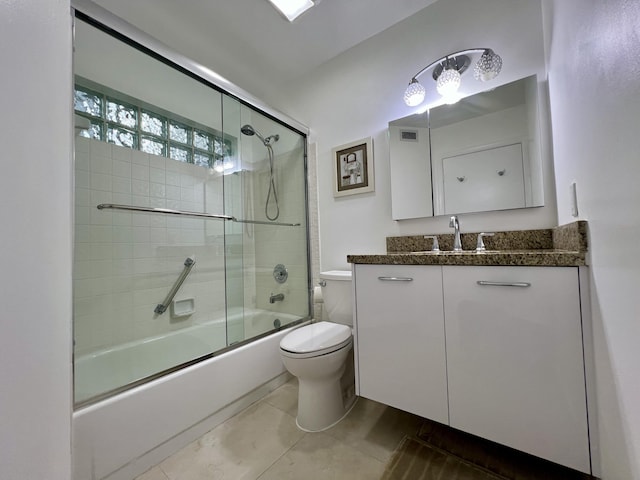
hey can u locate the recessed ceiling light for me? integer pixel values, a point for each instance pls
(292, 8)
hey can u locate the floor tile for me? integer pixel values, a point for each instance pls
(155, 473)
(375, 429)
(319, 456)
(240, 449)
(285, 397)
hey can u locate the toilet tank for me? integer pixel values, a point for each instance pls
(336, 295)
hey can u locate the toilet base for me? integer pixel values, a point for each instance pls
(354, 399)
(321, 408)
(321, 405)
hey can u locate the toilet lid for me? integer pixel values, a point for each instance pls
(318, 338)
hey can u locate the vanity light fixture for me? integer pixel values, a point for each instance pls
(447, 73)
(292, 9)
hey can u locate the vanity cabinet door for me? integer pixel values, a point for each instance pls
(515, 359)
(400, 338)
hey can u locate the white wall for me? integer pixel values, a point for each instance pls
(595, 103)
(356, 94)
(35, 258)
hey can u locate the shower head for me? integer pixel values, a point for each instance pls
(249, 131)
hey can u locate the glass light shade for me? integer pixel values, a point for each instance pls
(448, 84)
(488, 67)
(414, 94)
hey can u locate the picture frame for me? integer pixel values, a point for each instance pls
(353, 168)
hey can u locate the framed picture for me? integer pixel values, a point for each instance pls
(353, 168)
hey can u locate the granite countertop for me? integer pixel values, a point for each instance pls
(564, 246)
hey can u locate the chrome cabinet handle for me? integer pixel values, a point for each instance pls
(396, 279)
(503, 284)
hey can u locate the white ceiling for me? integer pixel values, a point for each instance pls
(251, 44)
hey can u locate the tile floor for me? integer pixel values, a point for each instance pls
(263, 443)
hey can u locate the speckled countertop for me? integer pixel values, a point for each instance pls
(564, 246)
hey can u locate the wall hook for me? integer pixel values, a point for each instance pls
(501, 172)
(461, 179)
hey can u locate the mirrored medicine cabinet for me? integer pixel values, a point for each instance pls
(480, 154)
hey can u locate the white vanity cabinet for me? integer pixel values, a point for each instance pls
(515, 359)
(400, 347)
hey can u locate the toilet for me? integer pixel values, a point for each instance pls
(321, 356)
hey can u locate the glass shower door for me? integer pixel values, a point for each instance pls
(149, 137)
(266, 251)
(190, 219)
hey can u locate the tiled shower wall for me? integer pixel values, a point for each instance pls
(126, 262)
(282, 244)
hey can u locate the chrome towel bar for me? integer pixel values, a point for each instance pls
(170, 211)
(167, 211)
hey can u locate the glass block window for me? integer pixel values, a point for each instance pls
(151, 145)
(180, 154)
(125, 115)
(179, 133)
(122, 137)
(153, 124)
(88, 102)
(125, 122)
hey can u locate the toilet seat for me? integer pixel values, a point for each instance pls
(316, 339)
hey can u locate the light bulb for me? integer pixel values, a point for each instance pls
(448, 82)
(414, 94)
(488, 67)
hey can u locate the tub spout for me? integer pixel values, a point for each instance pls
(276, 298)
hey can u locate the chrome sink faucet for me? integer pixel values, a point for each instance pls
(453, 223)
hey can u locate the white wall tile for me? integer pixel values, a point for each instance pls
(101, 165)
(82, 197)
(139, 158)
(158, 162)
(82, 179)
(121, 185)
(100, 181)
(140, 172)
(81, 160)
(157, 175)
(122, 168)
(122, 154)
(100, 149)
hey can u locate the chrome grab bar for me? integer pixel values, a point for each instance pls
(162, 307)
(170, 211)
(503, 284)
(396, 279)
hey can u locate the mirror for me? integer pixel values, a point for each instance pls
(480, 154)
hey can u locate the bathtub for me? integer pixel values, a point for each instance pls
(123, 435)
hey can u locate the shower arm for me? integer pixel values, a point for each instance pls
(168, 211)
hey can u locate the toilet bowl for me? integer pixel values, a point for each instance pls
(319, 354)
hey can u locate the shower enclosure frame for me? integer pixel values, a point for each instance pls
(105, 21)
